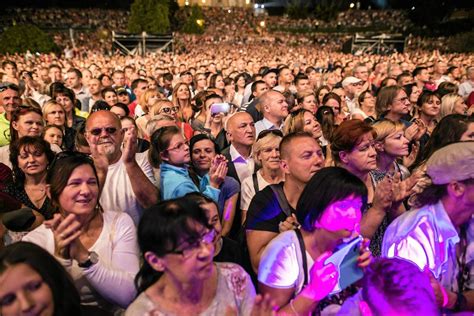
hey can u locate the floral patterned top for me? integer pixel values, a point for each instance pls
(234, 290)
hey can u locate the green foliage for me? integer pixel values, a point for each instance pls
(192, 24)
(20, 38)
(151, 16)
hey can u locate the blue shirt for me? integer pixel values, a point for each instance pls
(175, 182)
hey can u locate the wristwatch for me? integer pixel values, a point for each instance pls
(91, 260)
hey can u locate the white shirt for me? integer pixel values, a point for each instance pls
(109, 282)
(265, 124)
(117, 194)
(247, 191)
(243, 166)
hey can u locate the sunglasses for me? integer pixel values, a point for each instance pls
(169, 110)
(7, 85)
(98, 131)
(266, 132)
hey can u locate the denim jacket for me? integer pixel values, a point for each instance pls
(175, 182)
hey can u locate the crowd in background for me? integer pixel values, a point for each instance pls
(237, 176)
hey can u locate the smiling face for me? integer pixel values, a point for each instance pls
(104, 129)
(312, 126)
(29, 124)
(31, 161)
(24, 292)
(202, 155)
(431, 107)
(81, 193)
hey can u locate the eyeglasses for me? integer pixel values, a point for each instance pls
(98, 131)
(404, 99)
(179, 146)
(358, 84)
(266, 132)
(174, 109)
(194, 246)
(7, 85)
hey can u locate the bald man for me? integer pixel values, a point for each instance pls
(272, 104)
(240, 130)
(129, 184)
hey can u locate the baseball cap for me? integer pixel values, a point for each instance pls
(121, 90)
(453, 162)
(350, 80)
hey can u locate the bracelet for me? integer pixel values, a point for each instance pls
(293, 309)
(445, 296)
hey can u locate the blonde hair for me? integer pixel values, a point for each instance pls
(143, 100)
(447, 104)
(385, 128)
(47, 109)
(269, 140)
(303, 94)
(295, 122)
(156, 107)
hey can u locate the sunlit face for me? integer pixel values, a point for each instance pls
(336, 107)
(309, 103)
(202, 155)
(111, 98)
(54, 136)
(312, 126)
(24, 292)
(321, 95)
(66, 102)
(81, 193)
(304, 159)
(431, 107)
(362, 158)
(31, 161)
(396, 144)
(269, 156)
(220, 82)
(415, 94)
(29, 124)
(177, 152)
(401, 104)
(342, 216)
(56, 115)
(118, 111)
(460, 107)
(183, 92)
(469, 133)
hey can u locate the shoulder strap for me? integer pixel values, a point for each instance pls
(255, 182)
(303, 256)
(282, 201)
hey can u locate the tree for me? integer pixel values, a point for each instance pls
(149, 16)
(195, 22)
(20, 38)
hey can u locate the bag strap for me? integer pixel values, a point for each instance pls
(255, 182)
(303, 256)
(282, 201)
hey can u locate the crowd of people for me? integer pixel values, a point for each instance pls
(250, 179)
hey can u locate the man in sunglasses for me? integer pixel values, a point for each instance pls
(129, 184)
(9, 101)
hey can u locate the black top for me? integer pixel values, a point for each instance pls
(19, 193)
(230, 252)
(265, 212)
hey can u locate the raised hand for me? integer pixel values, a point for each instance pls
(129, 145)
(289, 223)
(323, 279)
(218, 171)
(65, 231)
(383, 195)
(365, 258)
